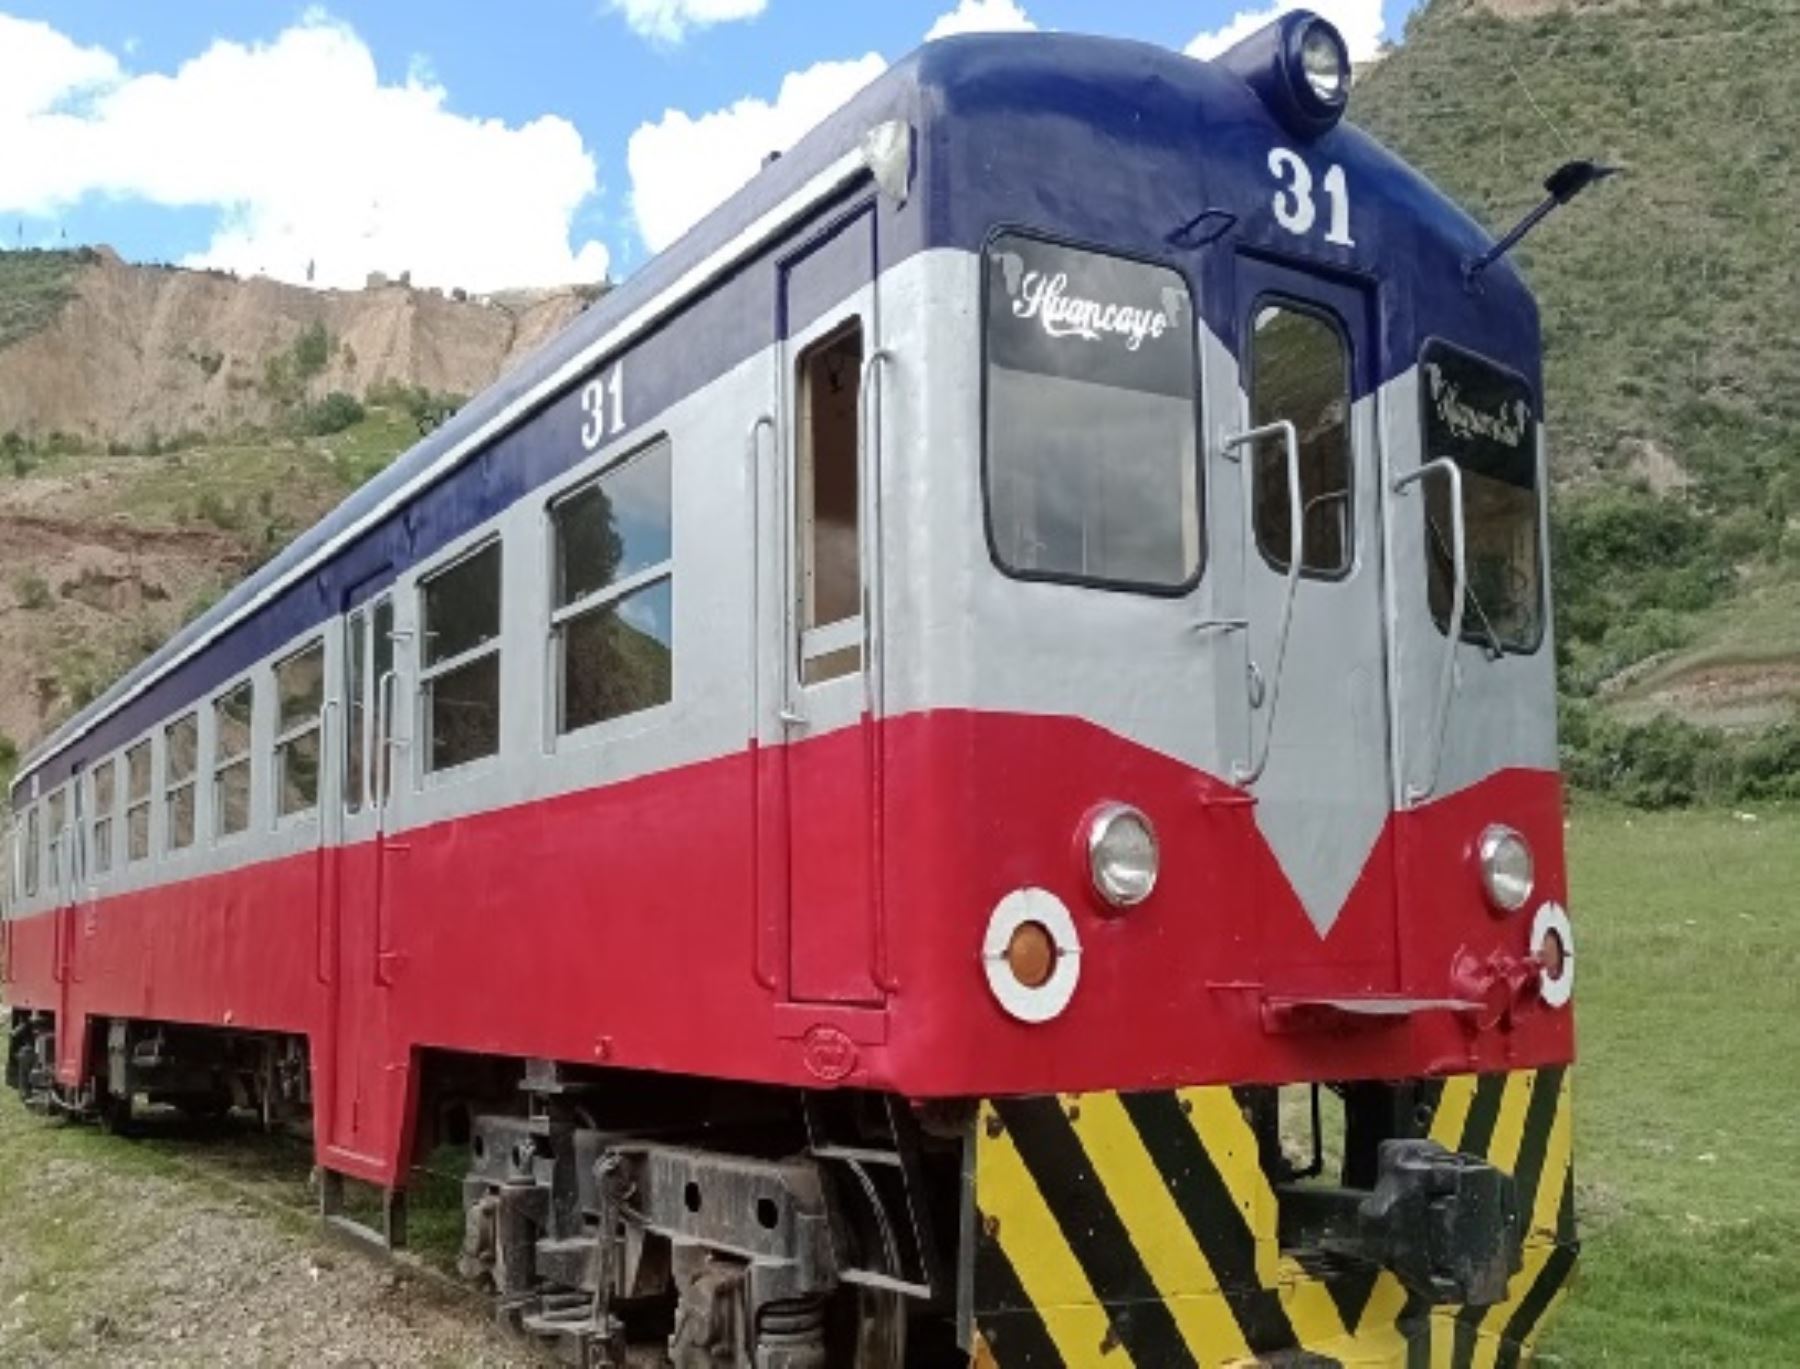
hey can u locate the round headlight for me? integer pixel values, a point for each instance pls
(1122, 855)
(1325, 63)
(1506, 868)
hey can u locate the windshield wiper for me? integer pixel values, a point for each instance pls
(1491, 640)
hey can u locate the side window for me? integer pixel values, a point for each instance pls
(381, 653)
(59, 845)
(1482, 418)
(34, 836)
(460, 681)
(106, 796)
(231, 759)
(614, 604)
(299, 698)
(137, 801)
(1300, 371)
(828, 507)
(181, 753)
(356, 709)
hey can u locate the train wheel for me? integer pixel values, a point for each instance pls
(866, 1327)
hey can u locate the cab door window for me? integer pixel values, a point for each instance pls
(829, 506)
(1300, 371)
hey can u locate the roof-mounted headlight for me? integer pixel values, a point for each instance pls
(1299, 66)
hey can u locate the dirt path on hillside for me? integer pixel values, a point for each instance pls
(126, 1253)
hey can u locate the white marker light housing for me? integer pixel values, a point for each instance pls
(1123, 860)
(1553, 947)
(1044, 991)
(1507, 872)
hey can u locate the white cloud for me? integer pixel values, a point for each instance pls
(40, 69)
(682, 166)
(308, 156)
(1358, 20)
(982, 16)
(667, 21)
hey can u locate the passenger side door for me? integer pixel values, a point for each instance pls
(830, 673)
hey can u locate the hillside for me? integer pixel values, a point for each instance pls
(104, 352)
(163, 431)
(1673, 370)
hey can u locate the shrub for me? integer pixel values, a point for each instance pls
(332, 414)
(312, 349)
(34, 593)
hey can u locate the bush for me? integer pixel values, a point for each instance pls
(1668, 763)
(34, 593)
(312, 349)
(332, 414)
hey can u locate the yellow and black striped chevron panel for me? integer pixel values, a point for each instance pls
(1139, 1229)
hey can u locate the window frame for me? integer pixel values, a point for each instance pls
(1202, 493)
(147, 745)
(171, 787)
(56, 827)
(222, 762)
(1539, 492)
(312, 724)
(429, 675)
(31, 876)
(597, 600)
(102, 816)
(1299, 304)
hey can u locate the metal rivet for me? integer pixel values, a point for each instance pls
(994, 1125)
(990, 1227)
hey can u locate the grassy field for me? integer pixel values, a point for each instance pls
(1688, 1091)
(1687, 1097)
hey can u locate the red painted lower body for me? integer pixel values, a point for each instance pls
(649, 925)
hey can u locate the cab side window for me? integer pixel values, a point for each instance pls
(1300, 371)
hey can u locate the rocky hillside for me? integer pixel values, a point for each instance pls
(103, 352)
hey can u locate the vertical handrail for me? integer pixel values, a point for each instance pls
(1446, 467)
(753, 490)
(385, 691)
(868, 474)
(329, 801)
(1249, 773)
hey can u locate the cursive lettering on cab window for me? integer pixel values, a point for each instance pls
(1508, 425)
(1044, 297)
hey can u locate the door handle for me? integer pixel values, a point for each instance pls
(1249, 772)
(868, 468)
(1446, 467)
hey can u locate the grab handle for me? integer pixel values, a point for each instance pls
(1459, 593)
(1248, 773)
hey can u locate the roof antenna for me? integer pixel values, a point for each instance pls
(1563, 185)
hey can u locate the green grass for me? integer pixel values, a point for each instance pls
(1688, 1090)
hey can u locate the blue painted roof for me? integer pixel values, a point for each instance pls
(1097, 140)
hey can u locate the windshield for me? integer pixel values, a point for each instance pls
(1481, 417)
(1092, 474)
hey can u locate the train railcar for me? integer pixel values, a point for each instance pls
(963, 770)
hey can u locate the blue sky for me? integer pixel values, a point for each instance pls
(474, 144)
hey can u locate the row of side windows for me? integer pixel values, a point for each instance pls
(612, 635)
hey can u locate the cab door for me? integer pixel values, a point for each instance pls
(1317, 758)
(831, 666)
